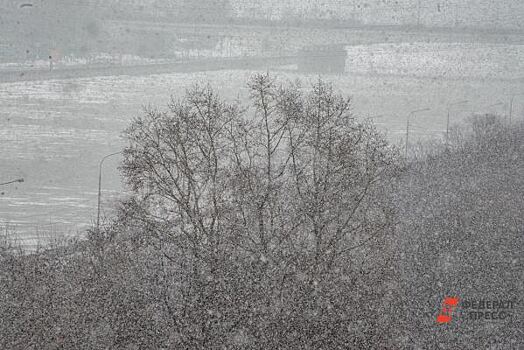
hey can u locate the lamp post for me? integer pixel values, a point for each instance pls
(100, 187)
(511, 105)
(11, 182)
(407, 125)
(418, 13)
(447, 122)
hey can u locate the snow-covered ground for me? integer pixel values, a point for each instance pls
(438, 60)
(227, 47)
(72, 61)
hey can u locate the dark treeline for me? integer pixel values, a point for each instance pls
(286, 223)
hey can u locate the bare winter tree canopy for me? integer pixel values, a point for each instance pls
(295, 166)
(291, 188)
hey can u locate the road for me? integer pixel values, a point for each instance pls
(188, 66)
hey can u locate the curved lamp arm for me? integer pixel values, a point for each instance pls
(100, 187)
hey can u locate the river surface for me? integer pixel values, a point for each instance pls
(53, 133)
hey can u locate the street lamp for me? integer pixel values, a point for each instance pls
(407, 125)
(418, 13)
(447, 122)
(511, 105)
(100, 188)
(11, 182)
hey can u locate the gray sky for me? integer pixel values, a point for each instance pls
(483, 13)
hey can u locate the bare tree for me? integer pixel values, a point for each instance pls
(274, 204)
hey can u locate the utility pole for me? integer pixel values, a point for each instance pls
(418, 13)
(447, 122)
(407, 126)
(100, 188)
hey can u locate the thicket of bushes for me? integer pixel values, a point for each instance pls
(286, 223)
(462, 234)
